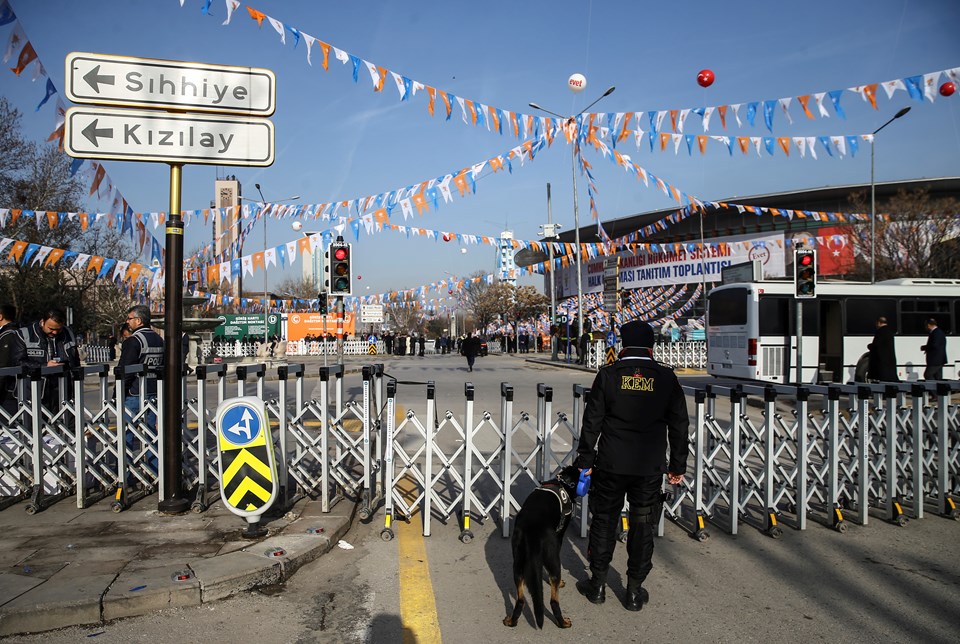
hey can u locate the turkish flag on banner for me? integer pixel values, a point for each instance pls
(836, 251)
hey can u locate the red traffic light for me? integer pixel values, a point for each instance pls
(340, 254)
(806, 260)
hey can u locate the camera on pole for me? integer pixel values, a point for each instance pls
(805, 273)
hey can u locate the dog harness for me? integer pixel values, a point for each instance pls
(566, 501)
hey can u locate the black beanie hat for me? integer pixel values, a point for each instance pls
(637, 334)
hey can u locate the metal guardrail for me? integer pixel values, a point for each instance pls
(769, 457)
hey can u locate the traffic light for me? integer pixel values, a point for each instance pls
(324, 306)
(341, 275)
(805, 273)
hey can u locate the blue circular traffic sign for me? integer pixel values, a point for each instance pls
(240, 424)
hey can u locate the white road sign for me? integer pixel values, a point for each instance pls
(371, 313)
(135, 135)
(103, 79)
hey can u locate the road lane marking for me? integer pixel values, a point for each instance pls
(418, 608)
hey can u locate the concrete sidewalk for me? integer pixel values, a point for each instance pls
(65, 566)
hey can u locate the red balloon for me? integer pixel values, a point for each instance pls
(705, 78)
(947, 89)
(450, 292)
(447, 237)
(359, 277)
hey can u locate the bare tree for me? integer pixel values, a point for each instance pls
(919, 239)
(405, 316)
(297, 287)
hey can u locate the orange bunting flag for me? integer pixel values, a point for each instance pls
(664, 139)
(381, 217)
(383, 74)
(54, 256)
(626, 126)
(96, 262)
(473, 110)
(446, 101)
(97, 178)
(515, 123)
(870, 92)
(461, 182)
(17, 250)
(52, 219)
(421, 203)
(496, 164)
(27, 56)
(722, 110)
(256, 15)
(433, 95)
(494, 119)
(213, 274)
(325, 48)
(84, 221)
(133, 272)
(258, 260)
(702, 143)
(744, 143)
(673, 120)
(303, 246)
(784, 142)
(804, 100)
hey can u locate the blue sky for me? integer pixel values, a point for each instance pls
(338, 140)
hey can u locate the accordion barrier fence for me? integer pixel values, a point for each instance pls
(767, 457)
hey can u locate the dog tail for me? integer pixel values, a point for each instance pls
(533, 576)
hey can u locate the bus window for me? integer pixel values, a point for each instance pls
(915, 313)
(775, 316)
(728, 307)
(862, 314)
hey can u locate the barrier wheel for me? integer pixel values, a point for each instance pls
(622, 537)
(116, 507)
(364, 513)
(841, 527)
(197, 507)
(775, 532)
(386, 534)
(901, 520)
(466, 536)
(701, 535)
(31, 508)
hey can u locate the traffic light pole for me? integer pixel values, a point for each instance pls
(799, 342)
(340, 330)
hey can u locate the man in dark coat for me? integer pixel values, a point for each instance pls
(936, 350)
(470, 348)
(883, 356)
(48, 343)
(634, 411)
(8, 335)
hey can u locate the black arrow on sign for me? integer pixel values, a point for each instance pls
(94, 78)
(91, 132)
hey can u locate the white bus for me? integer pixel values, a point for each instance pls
(751, 328)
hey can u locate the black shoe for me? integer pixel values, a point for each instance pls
(635, 599)
(594, 594)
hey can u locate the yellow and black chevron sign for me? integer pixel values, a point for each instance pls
(372, 350)
(248, 472)
(611, 355)
(247, 480)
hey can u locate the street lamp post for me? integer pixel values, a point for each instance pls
(576, 208)
(549, 232)
(873, 198)
(263, 204)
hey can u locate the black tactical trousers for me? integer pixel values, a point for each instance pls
(607, 492)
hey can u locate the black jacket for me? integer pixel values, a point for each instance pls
(144, 347)
(936, 347)
(634, 405)
(883, 356)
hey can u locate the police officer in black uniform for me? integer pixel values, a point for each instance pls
(48, 343)
(8, 333)
(635, 405)
(144, 346)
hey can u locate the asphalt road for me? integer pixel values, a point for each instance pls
(877, 583)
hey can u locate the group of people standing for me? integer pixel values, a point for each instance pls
(882, 366)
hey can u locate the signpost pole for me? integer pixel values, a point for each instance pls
(172, 498)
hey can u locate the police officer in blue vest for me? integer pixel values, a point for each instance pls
(634, 409)
(144, 346)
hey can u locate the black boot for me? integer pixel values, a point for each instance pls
(593, 590)
(635, 598)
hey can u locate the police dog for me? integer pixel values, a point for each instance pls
(537, 536)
